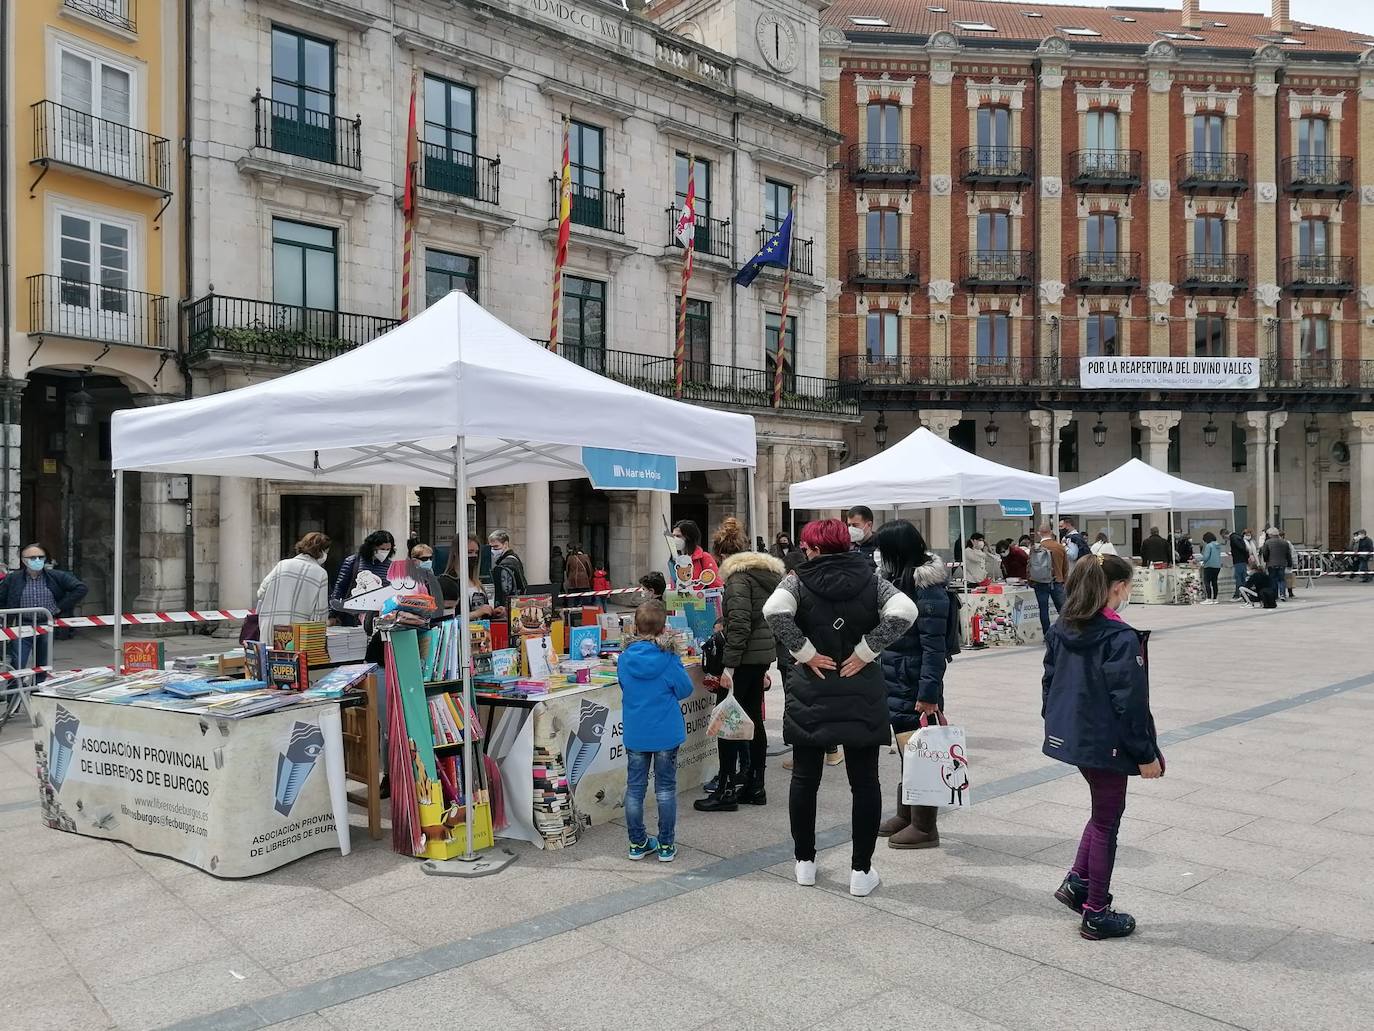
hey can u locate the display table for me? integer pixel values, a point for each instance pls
(1009, 618)
(1166, 585)
(234, 797)
(562, 758)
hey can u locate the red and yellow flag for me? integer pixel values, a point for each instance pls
(408, 201)
(564, 228)
(685, 231)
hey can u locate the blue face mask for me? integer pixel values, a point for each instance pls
(37, 564)
(426, 563)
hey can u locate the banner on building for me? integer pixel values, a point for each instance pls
(232, 797)
(1169, 373)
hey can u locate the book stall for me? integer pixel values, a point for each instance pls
(999, 615)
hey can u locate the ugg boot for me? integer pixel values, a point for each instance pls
(894, 824)
(922, 833)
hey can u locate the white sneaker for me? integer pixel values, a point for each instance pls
(806, 873)
(862, 884)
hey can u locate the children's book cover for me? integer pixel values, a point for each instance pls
(479, 633)
(531, 615)
(143, 655)
(584, 642)
(505, 662)
(287, 670)
(539, 656)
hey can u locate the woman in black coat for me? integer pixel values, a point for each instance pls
(835, 617)
(914, 665)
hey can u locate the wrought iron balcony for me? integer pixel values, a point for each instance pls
(1105, 271)
(1004, 166)
(1321, 176)
(997, 270)
(456, 172)
(1307, 274)
(722, 385)
(801, 250)
(1106, 169)
(266, 330)
(712, 235)
(1214, 172)
(593, 207)
(122, 14)
(1214, 273)
(317, 135)
(79, 141)
(884, 162)
(999, 371)
(882, 265)
(1316, 374)
(80, 310)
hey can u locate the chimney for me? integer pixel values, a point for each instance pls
(1279, 19)
(1192, 18)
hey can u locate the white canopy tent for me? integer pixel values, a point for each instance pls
(452, 398)
(1137, 487)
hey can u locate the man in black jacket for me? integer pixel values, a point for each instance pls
(1155, 548)
(35, 586)
(1240, 558)
(507, 571)
(1364, 551)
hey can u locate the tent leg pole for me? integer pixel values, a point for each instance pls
(793, 538)
(755, 530)
(460, 500)
(963, 546)
(118, 605)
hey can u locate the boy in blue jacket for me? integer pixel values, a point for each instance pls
(653, 685)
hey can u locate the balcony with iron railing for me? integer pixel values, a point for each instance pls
(884, 266)
(121, 14)
(1319, 175)
(593, 207)
(1306, 373)
(1105, 271)
(460, 174)
(997, 371)
(1106, 169)
(997, 270)
(266, 330)
(82, 143)
(723, 385)
(1318, 274)
(884, 162)
(80, 310)
(997, 166)
(1213, 172)
(711, 236)
(1214, 273)
(802, 261)
(318, 135)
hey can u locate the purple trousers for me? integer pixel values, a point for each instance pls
(1097, 848)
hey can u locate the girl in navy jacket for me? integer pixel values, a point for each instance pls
(1096, 706)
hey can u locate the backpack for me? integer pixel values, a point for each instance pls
(1041, 566)
(1070, 549)
(953, 634)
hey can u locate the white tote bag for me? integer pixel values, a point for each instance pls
(935, 768)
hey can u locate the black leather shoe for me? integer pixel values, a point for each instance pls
(718, 802)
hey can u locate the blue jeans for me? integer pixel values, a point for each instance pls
(1043, 594)
(1241, 574)
(665, 793)
(1278, 574)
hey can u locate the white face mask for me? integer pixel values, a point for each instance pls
(856, 534)
(323, 559)
(381, 554)
(878, 559)
(677, 544)
(1122, 605)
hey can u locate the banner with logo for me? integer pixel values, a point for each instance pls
(1169, 373)
(629, 470)
(232, 797)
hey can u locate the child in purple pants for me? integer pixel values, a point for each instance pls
(1096, 707)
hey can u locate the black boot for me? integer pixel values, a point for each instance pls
(722, 800)
(754, 792)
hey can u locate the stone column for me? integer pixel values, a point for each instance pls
(537, 538)
(1154, 436)
(395, 502)
(237, 527)
(1361, 441)
(1276, 423)
(941, 154)
(1157, 220)
(939, 421)
(161, 569)
(620, 548)
(1265, 173)
(660, 521)
(11, 392)
(1256, 453)
(1046, 235)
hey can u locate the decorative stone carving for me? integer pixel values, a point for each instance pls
(1161, 50)
(1318, 103)
(832, 38)
(1268, 294)
(942, 41)
(1367, 296)
(1268, 193)
(1160, 189)
(941, 73)
(1269, 54)
(1057, 46)
(1012, 94)
(941, 291)
(1158, 423)
(1266, 89)
(1052, 291)
(1161, 293)
(941, 185)
(1211, 99)
(1367, 195)
(1051, 186)
(1104, 95)
(939, 420)
(1052, 80)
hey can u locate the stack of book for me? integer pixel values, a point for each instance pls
(447, 719)
(554, 815)
(311, 640)
(346, 643)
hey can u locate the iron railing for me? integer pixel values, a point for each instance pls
(716, 384)
(956, 371)
(1217, 271)
(318, 135)
(445, 170)
(884, 265)
(593, 207)
(801, 250)
(712, 235)
(1319, 174)
(1213, 170)
(279, 332)
(997, 268)
(122, 14)
(1318, 274)
(1105, 269)
(66, 136)
(1105, 167)
(887, 162)
(1317, 373)
(996, 164)
(92, 311)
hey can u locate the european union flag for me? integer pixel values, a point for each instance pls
(775, 253)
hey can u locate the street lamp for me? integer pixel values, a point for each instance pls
(990, 431)
(1313, 433)
(880, 431)
(81, 406)
(1209, 432)
(1099, 431)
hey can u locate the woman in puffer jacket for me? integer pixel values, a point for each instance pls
(914, 665)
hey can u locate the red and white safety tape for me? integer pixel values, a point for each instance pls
(151, 618)
(15, 633)
(601, 594)
(23, 674)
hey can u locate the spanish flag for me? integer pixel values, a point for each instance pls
(564, 228)
(408, 202)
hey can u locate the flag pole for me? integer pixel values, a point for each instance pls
(782, 318)
(564, 228)
(408, 242)
(689, 213)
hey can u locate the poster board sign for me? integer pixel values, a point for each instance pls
(629, 470)
(1162, 373)
(1019, 509)
(232, 797)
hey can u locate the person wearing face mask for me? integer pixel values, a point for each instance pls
(860, 519)
(373, 555)
(454, 579)
(1240, 560)
(686, 540)
(507, 571)
(297, 588)
(1096, 708)
(979, 566)
(783, 547)
(34, 585)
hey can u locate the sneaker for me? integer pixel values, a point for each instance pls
(667, 853)
(644, 848)
(834, 758)
(1106, 923)
(1074, 893)
(861, 884)
(710, 786)
(806, 872)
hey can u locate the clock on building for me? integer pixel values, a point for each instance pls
(777, 41)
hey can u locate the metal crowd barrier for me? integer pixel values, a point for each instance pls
(1341, 565)
(26, 655)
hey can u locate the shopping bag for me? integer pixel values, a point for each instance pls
(729, 721)
(935, 767)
